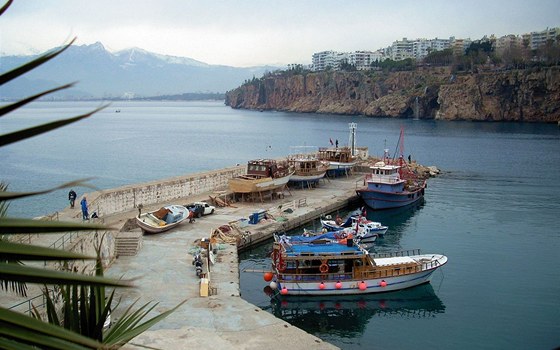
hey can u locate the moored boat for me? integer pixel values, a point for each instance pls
(391, 184)
(356, 221)
(261, 175)
(163, 219)
(329, 268)
(387, 189)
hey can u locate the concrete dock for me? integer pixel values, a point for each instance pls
(165, 274)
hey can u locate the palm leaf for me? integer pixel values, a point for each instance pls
(8, 196)
(118, 335)
(20, 135)
(17, 251)
(5, 7)
(18, 71)
(16, 225)
(28, 274)
(14, 325)
(12, 107)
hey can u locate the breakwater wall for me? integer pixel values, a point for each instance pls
(126, 198)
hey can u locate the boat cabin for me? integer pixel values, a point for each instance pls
(258, 168)
(338, 154)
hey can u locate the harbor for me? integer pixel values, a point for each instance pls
(488, 220)
(167, 275)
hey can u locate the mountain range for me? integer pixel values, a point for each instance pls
(124, 74)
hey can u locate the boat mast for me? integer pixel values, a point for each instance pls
(352, 140)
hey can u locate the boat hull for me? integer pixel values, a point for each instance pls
(392, 276)
(377, 200)
(352, 287)
(245, 185)
(149, 224)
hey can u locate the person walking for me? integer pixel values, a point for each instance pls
(72, 198)
(85, 214)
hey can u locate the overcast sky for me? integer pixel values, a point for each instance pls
(258, 32)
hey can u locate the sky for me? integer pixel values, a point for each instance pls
(261, 32)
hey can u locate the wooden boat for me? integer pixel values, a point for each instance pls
(329, 268)
(163, 219)
(340, 159)
(262, 175)
(308, 169)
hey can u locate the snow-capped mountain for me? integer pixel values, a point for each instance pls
(132, 72)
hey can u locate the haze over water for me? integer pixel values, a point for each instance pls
(493, 211)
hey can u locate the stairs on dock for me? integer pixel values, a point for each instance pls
(128, 243)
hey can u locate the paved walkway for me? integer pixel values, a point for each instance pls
(165, 273)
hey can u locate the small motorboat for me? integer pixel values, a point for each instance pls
(163, 219)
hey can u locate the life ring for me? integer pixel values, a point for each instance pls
(324, 268)
(274, 256)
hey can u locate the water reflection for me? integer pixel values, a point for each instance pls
(348, 316)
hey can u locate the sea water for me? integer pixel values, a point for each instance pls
(493, 210)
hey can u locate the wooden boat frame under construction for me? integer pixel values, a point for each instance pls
(308, 168)
(262, 175)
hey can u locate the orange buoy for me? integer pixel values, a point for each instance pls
(383, 283)
(268, 276)
(362, 285)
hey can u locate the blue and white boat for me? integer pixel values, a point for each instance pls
(356, 221)
(387, 189)
(330, 268)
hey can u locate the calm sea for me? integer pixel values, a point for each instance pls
(493, 211)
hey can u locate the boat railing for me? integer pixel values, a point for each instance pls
(337, 276)
(395, 254)
(382, 178)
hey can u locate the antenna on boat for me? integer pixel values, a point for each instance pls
(352, 140)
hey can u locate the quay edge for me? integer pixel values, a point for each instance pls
(224, 317)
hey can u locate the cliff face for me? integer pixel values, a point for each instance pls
(524, 95)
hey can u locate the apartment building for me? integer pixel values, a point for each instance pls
(420, 48)
(327, 59)
(537, 39)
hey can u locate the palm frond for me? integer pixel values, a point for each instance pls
(14, 106)
(8, 196)
(16, 226)
(19, 71)
(27, 330)
(5, 7)
(10, 251)
(20, 135)
(12, 272)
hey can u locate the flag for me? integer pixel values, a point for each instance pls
(331, 141)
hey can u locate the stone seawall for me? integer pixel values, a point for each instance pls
(126, 198)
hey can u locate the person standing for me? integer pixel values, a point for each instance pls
(72, 198)
(85, 214)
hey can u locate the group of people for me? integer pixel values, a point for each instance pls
(84, 205)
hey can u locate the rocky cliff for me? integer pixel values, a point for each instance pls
(517, 95)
